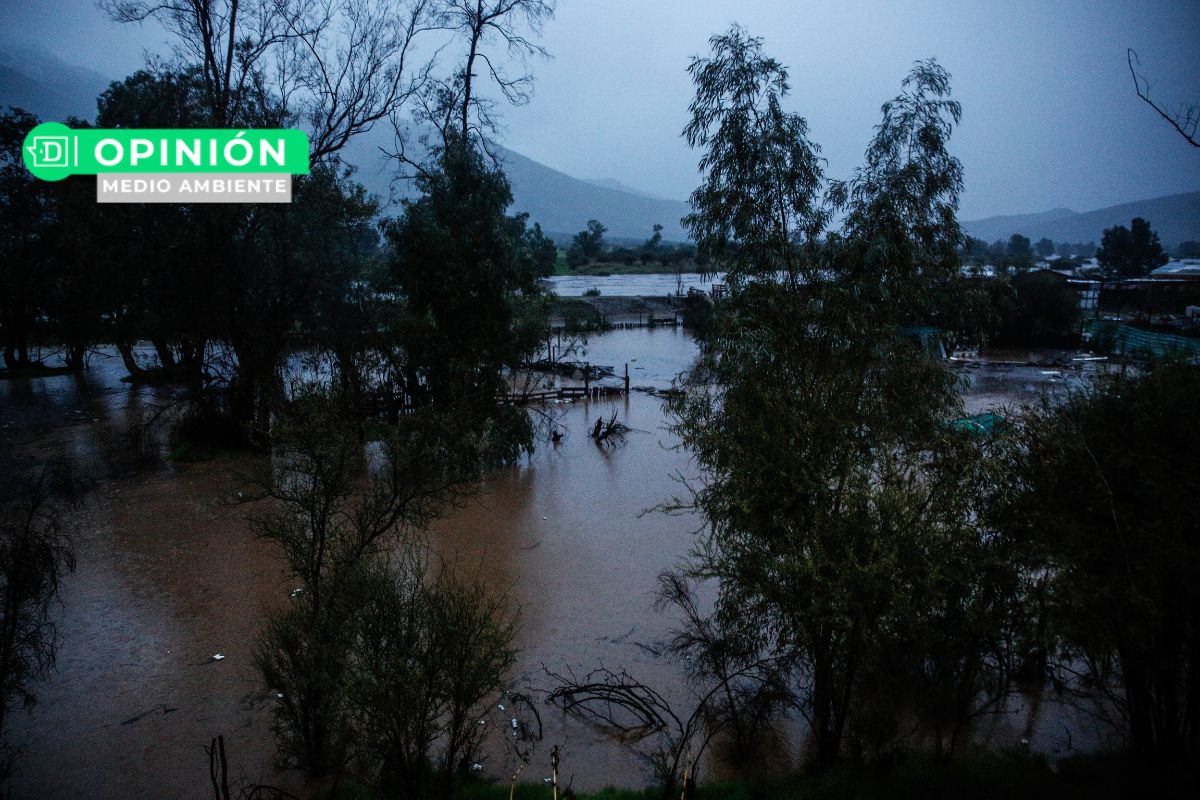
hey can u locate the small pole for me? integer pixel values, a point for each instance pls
(587, 377)
(626, 377)
(512, 786)
(554, 771)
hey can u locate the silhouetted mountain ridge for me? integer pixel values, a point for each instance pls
(1176, 218)
(560, 203)
(36, 80)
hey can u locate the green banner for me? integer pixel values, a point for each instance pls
(53, 151)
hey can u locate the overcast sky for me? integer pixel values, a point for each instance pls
(1050, 116)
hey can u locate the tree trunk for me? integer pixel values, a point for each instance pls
(165, 356)
(131, 365)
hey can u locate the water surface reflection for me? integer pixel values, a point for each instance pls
(169, 574)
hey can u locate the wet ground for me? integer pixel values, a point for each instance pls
(169, 575)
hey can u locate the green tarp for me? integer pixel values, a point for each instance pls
(1128, 340)
(986, 424)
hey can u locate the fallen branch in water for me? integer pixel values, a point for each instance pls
(610, 432)
(614, 700)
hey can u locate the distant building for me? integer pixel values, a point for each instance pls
(1158, 293)
(1087, 288)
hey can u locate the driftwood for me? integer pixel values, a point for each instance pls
(614, 700)
(610, 431)
(632, 711)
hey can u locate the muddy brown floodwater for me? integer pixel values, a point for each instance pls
(169, 574)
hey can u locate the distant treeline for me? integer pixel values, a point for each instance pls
(1019, 253)
(1123, 252)
(590, 246)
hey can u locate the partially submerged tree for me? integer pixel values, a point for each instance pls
(759, 206)
(377, 657)
(335, 68)
(35, 556)
(1100, 492)
(153, 253)
(472, 307)
(832, 493)
(428, 655)
(59, 290)
(25, 221)
(842, 511)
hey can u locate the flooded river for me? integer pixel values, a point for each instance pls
(658, 285)
(170, 575)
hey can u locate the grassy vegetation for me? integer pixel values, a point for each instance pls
(578, 314)
(987, 776)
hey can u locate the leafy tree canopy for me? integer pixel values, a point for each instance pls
(1131, 252)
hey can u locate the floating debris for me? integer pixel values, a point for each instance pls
(163, 707)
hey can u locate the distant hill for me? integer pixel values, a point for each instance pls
(561, 204)
(1176, 218)
(994, 228)
(613, 183)
(42, 84)
(37, 81)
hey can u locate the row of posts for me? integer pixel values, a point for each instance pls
(587, 378)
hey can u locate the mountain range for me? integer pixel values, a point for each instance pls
(1176, 218)
(39, 82)
(560, 203)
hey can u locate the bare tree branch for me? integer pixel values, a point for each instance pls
(334, 66)
(1183, 119)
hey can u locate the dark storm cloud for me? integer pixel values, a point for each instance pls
(1050, 119)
